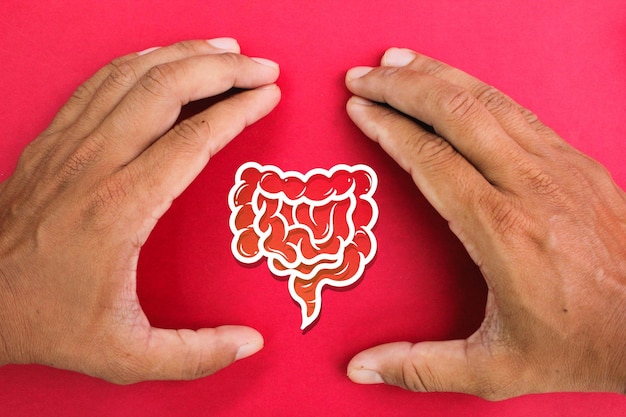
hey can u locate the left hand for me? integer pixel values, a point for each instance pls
(545, 224)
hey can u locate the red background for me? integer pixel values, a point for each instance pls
(566, 60)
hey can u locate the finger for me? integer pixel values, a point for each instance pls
(160, 94)
(453, 111)
(449, 182)
(123, 75)
(94, 101)
(191, 354)
(164, 170)
(82, 96)
(521, 124)
(504, 108)
(450, 366)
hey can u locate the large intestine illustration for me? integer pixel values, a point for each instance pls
(314, 228)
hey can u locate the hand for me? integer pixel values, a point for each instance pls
(545, 224)
(87, 193)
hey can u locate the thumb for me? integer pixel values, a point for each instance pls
(451, 366)
(189, 354)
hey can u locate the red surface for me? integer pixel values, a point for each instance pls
(566, 60)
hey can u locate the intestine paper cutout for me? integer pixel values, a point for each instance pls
(314, 228)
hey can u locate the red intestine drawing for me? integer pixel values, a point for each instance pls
(314, 228)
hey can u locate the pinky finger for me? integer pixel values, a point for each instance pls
(83, 95)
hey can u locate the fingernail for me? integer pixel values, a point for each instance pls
(361, 101)
(396, 57)
(248, 349)
(267, 62)
(147, 51)
(227, 44)
(365, 376)
(358, 72)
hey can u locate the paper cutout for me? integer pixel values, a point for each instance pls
(314, 228)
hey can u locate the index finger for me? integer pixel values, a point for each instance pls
(154, 104)
(447, 180)
(452, 110)
(522, 124)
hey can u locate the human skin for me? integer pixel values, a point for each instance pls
(545, 224)
(87, 193)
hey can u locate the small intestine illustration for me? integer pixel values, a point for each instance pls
(314, 229)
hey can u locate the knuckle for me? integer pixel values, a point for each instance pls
(531, 117)
(590, 178)
(83, 93)
(42, 157)
(159, 80)
(230, 58)
(31, 155)
(190, 133)
(539, 182)
(116, 62)
(87, 153)
(113, 190)
(502, 214)
(187, 47)
(392, 77)
(390, 72)
(595, 169)
(433, 150)
(458, 103)
(230, 62)
(431, 66)
(104, 204)
(123, 75)
(417, 379)
(197, 367)
(196, 363)
(196, 371)
(504, 217)
(493, 99)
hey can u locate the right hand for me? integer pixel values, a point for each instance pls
(87, 193)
